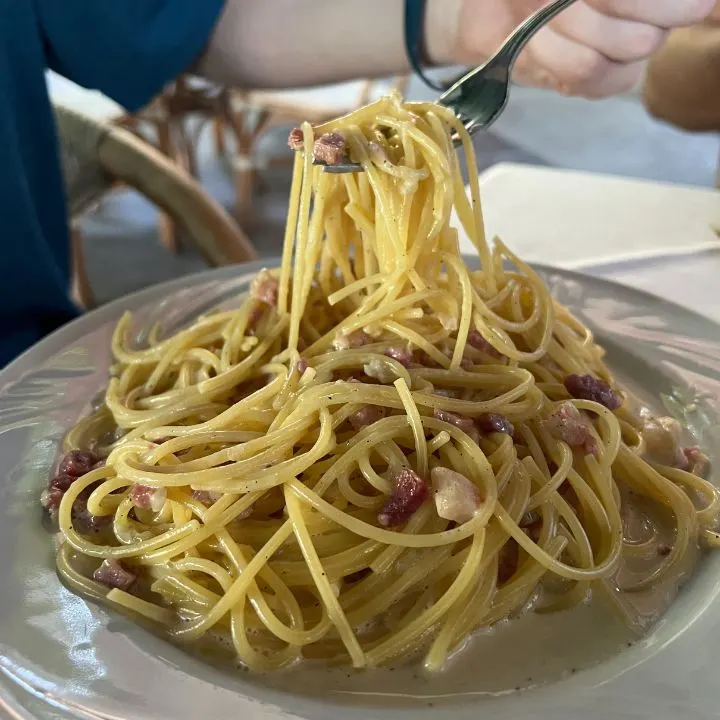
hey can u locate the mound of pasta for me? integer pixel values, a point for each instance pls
(378, 451)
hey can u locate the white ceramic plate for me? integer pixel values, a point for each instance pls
(61, 657)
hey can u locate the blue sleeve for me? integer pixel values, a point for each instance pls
(126, 49)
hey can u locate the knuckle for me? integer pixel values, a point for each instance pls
(585, 67)
(620, 79)
(645, 40)
(612, 8)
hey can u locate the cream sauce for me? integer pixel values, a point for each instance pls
(515, 655)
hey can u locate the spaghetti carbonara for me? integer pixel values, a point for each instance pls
(379, 451)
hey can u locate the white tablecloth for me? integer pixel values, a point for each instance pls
(655, 237)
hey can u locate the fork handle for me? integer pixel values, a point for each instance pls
(524, 32)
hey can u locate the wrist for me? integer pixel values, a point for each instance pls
(442, 19)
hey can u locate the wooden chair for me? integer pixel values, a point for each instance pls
(96, 156)
(165, 123)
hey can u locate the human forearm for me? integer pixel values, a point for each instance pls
(284, 43)
(594, 48)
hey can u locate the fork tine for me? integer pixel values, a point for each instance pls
(340, 168)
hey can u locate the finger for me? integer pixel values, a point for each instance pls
(579, 70)
(663, 13)
(617, 39)
(621, 79)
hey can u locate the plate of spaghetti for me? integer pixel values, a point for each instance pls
(376, 476)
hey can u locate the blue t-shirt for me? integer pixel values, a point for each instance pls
(127, 49)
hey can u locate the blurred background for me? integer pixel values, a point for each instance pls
(235, 145)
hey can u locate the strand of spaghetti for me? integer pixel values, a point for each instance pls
(227, 417)
(362, 608)
(418, 340)
(388, 537)
(354, 323)
(516, 593)
(328, 394)
(556, 480)
(315, 233)
(254, 660)
(321, 582)
(479, 600)
(465, 310)
(711, 494)
(169, 581)
(383, 212)
(239, 587)
(301, 238)
(396, 644)
(127, 418)
(226, 477)
(419, 522)
(639, 474)
(478, 227)
(290, 230)
(337, 566)
(289, 635)
(155, 352)
(151, 611)
(546, 560)
(351, 288)
(413, 417)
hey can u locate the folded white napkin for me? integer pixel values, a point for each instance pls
(577, 219)
(89, 102)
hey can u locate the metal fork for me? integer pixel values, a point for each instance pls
(479, 97)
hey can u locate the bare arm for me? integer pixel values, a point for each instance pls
(595, 48)
(285, 43)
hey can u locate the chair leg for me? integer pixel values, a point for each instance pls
(260, 183)
(243, 163)
(243, 173)
(183, 147)
(219, 132)
(80, 289)
(166, 226)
